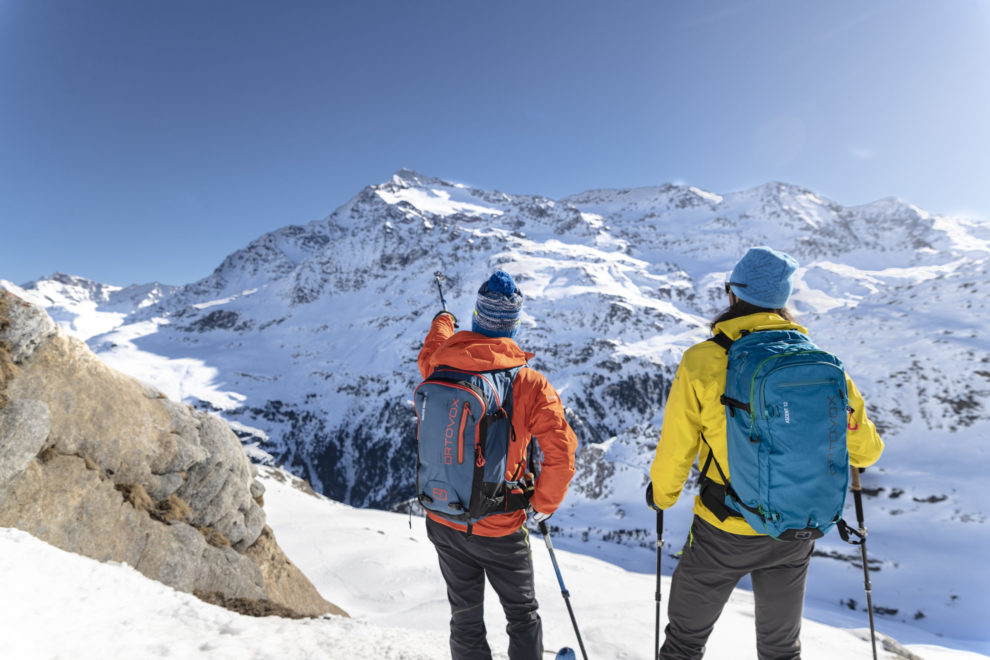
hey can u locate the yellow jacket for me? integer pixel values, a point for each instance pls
(693, 409)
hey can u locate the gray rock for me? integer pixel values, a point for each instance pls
(219, 488)
(257, 488)
(24, 429)
(29, 327)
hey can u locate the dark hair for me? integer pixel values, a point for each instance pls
(743, 308)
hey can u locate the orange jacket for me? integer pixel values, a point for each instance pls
(536, 411)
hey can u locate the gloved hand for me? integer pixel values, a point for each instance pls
(537, 516)
(649, 497)
(453, 318)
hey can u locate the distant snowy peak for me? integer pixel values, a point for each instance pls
(388, 226)
(71, 288)
(441, 199)
(615, 204)
(407, 178)
(67, 291)
(86, 308)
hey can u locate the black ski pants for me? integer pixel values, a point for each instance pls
(507, 562)
(711, 564)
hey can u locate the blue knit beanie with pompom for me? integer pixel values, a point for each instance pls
(499, 305)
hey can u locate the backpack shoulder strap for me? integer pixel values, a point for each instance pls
(510, 373)
(726, 342)
(722, 340)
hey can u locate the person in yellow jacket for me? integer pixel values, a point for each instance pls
(719, 552)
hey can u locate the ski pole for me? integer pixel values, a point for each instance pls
(438, 276)
(656, 638)
(650, 502)
(563, 589)
(858, 498)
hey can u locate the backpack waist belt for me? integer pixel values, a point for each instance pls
(713, 497)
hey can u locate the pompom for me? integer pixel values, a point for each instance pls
(501, 282)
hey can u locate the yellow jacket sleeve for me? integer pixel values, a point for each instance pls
(862, 439)
(679, 440)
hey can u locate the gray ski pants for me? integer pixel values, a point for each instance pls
(508, 564)
(713, 561)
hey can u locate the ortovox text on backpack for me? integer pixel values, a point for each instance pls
(464, 430)
(786, 416)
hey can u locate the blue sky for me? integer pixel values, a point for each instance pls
(144, 141)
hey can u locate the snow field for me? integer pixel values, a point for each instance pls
(58, 605)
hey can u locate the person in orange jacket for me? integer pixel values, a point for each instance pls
(498, 545)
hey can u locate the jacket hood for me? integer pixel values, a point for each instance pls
(476, 352)
(753, 322)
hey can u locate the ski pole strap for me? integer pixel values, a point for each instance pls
(848, 533)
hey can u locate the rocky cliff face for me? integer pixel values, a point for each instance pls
(96, 463)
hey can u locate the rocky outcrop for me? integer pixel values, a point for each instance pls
(283, 580)
(96, 463)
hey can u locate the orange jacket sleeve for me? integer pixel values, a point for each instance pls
(441, 330)
(537, 405)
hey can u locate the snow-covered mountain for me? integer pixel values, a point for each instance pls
(306, 340)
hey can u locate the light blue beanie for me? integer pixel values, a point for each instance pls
(763, 277)
(499, 304)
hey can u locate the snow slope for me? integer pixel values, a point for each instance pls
(381, 570)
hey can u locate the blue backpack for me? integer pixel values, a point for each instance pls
(464, 430)
(786, 407)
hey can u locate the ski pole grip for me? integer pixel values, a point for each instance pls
(855, 477)
(857, 495)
